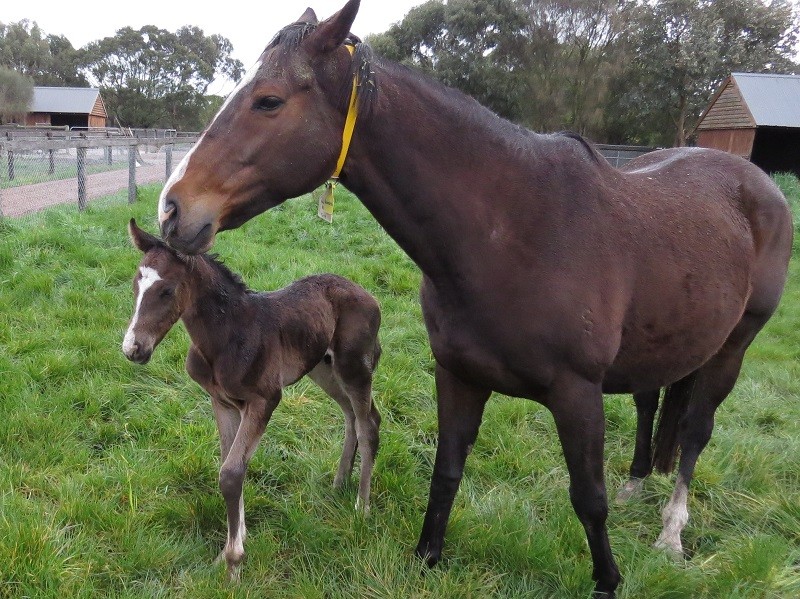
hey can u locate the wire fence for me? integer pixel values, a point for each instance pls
(38, 173)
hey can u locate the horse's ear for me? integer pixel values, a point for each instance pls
(142, 239)
(309, 17)
(330, 34)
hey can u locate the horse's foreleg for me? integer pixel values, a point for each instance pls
(256, 414)
(641, 466)
(460, 411)
(577, 407)
(228, 420)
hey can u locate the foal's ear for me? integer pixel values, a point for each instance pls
(309, 17)
(142, 239)
(330, 34)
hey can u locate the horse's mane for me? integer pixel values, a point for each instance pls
(220, 272)
(290, 37)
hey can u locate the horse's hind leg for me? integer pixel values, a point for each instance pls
(322, 375)
(641, 466)
(353, 372)
(712, 384)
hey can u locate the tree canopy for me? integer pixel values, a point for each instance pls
(47, 59)
(16, 94)
(625, 71)
(152, 77)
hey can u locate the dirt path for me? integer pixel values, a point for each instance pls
(26, 199)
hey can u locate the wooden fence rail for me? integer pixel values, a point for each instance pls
(15, 150)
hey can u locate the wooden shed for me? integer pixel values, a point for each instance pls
(67, 106)
(757, 116)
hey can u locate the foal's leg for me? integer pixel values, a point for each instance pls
(577, 407)
(460, 411)
(641, 466)
(353, 373)
(256, 414)
(228, 420)
(714, 381)
(322, 375)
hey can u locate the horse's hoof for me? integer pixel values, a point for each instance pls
(630, 489)
(670, 547)
(362, 506)
(429, 558)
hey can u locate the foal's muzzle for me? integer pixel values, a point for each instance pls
(135, 352)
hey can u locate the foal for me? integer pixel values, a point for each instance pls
(247, 346)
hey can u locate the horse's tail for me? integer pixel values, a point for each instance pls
(673, 407)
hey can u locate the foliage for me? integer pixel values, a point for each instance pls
(16, 94)
(108, 474)
(615, 70)
(152, 77)
(473, 45)
(678, 53)
(47, 59)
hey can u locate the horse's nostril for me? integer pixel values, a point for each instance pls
(169, 218)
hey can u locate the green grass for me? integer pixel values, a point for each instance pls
(108, 470)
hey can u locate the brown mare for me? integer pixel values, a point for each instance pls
(247, 346)
(547, 274)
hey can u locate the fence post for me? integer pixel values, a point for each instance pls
(51, 168)
(1, 186)
(11, 165)
(132, 173)
(81, 178)
(168, 152)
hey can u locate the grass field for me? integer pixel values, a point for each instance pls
(108, 470)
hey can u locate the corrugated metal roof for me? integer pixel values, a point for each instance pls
(773, 100)
(74, 100)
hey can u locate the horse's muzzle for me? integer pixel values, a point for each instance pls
(182, 238)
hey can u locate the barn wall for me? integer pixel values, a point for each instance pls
(97, 121)
(37, 118)
(735, 141)
(777, 149)
(728, 111)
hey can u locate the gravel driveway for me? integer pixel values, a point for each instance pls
(26, 199)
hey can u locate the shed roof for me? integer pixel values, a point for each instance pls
(773, 100)
(73, 100)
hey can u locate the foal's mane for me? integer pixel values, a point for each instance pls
(290, 37)
(220, 271)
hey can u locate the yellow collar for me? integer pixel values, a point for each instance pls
(349, 124)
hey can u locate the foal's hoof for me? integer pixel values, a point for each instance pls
(362, 506)
(630, 489)
(671, 547)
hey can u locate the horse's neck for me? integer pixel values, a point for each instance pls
(424, 163)
(211, 309)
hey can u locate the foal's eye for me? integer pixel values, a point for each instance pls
(165, 293)
(267, 103)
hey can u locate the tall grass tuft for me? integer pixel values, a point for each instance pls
(108, 470)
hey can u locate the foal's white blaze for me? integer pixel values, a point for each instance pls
(178, 173)
(148, 277)
(675, 516)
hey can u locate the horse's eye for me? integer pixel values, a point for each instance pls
(267, 103)
(165, 293)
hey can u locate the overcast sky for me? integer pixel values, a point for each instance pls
(248, 24)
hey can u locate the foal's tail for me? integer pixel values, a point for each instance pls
(673, 407)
